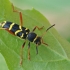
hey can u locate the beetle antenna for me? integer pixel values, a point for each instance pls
(50, 27)
(47, 29)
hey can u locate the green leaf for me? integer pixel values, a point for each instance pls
(56, 56)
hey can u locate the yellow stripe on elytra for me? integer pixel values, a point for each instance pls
(20, 27)
(3, 23)
(11, 26)
(35, 38)
(26, 29)
(22, 35)
(17, 31)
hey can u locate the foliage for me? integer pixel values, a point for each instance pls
(56, 56)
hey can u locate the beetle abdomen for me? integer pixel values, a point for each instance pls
(16, 29)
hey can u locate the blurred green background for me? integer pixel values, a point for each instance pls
(56, 11)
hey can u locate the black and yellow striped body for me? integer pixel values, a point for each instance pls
(17, 30)
(21, 32)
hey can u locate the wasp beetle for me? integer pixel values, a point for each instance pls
(24, 33)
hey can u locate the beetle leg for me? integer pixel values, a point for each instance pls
(37, 28)
(29, 50)
(21, 53)
(36, 49)
(20, 14)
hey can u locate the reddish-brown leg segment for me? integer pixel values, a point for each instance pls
(44, 43)
(37, 28)
(21, 54)
(36, 48)
(20, 14)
